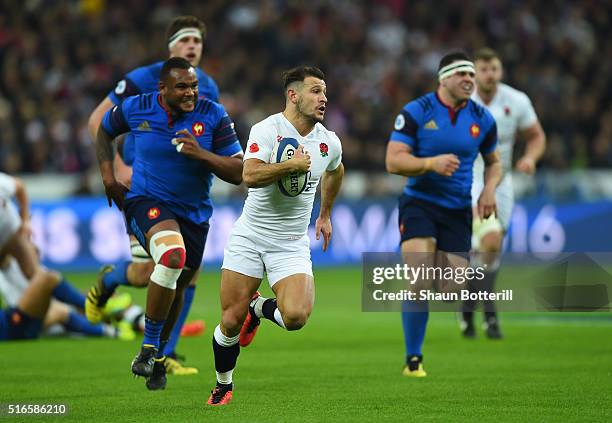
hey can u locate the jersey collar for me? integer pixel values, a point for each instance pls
(308, 135)
(452, 112)
(171, 117)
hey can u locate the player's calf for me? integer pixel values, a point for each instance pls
(139, 273)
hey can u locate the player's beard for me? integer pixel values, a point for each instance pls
(178, 105)
(310, 118)
(486, 87)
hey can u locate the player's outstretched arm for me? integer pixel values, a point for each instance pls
(330, 186)
(257, 173)
(492, 177)
(536, 144)
(401, 161)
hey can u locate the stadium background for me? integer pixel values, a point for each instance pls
(58, 59)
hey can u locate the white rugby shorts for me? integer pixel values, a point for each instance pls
(252, 254)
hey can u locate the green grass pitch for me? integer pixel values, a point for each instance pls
(345, 365)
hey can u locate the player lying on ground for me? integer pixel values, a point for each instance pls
(19, 258)
(271, 234)
(21, 321)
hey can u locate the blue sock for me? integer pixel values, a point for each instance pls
(414, 320)
(152, 331)
(118, 276)
(180, 321)
(162, 347)
(79, 323)
(67, 293)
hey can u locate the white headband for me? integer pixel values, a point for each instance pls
(184, 32)
(459, 66)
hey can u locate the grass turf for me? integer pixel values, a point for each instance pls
(345, 365)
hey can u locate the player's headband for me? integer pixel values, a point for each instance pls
(184, 32)
(453, 68)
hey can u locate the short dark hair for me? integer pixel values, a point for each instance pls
(453, 57)
(300, 73)
(181, 22)
(173, 63)
(486, 54)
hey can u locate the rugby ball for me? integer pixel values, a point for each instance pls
(293, 184)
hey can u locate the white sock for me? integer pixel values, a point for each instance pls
(257, 305)
(225, 377)
(279, 318)
(225, 341)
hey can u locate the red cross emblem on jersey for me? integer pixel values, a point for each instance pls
(197, 129)
(474, 130)
(153, 213)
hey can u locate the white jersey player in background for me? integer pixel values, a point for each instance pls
(271, 234)
(15, 225)
(515, 118)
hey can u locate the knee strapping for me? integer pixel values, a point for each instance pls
(162, 246)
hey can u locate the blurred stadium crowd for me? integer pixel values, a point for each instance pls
(58, 59)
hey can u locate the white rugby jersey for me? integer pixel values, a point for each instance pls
(7, 186)
(512, 111)
(266, 210)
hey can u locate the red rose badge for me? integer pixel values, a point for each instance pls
(323, 148)
(253, 148)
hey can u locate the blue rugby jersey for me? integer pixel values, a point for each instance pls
(431, 128)
(159, 171)
(145, 79)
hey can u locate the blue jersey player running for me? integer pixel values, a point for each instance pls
(435, 141)
(180, 142)
(185, 35)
